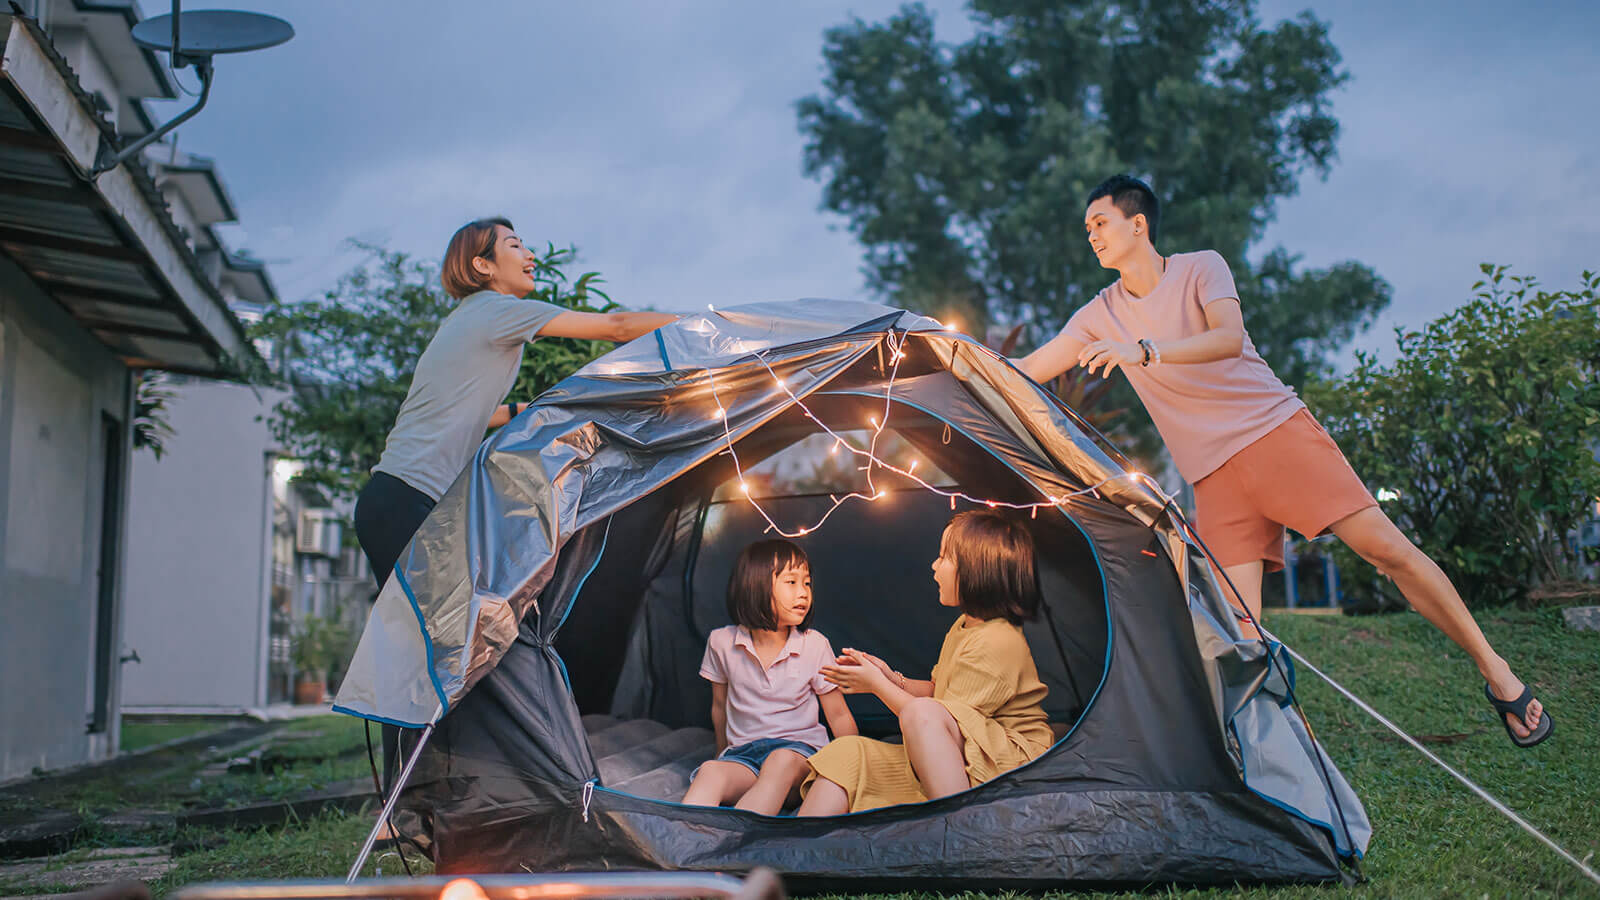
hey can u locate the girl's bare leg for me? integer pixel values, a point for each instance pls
(933, 744)
(824, 799)
(718, 782)
(780, 776)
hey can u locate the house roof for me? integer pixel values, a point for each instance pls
(196, 177)
(105, 248)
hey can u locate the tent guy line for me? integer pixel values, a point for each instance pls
(1488, 798)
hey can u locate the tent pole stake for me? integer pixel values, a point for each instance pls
(388, 806)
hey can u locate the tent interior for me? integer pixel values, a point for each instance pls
(633, 634)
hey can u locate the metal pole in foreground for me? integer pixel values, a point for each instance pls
(388, 805)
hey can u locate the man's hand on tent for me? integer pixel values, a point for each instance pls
(1108, 355)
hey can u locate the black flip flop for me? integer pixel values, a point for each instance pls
(1519, 708)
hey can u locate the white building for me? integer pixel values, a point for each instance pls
(225, 555)
(97, 281)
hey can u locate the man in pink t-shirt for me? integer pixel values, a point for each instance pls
(1257, 458)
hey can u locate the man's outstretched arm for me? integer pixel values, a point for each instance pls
(1057, 355)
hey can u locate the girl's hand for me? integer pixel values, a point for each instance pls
(852, 656)
(855, 678)
(1109, 354)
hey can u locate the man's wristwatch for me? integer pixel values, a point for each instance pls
(1152, 355)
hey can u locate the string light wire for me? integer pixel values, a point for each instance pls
(896, 342)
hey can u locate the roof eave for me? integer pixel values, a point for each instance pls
(35, 73)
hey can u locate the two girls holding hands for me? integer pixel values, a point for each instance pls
(977, 717)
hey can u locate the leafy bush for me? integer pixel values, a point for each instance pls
(1480, 439)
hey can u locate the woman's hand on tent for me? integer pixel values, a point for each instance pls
(1109, 354)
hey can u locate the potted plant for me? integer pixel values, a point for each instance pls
(313, 651)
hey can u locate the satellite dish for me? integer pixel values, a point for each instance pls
(194, 38)
(207, 32)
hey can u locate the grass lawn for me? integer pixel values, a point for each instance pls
(140, 732)
(1432, 837)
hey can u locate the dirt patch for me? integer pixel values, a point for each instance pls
(1359, 635)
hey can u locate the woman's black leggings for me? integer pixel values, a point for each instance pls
(388, 513)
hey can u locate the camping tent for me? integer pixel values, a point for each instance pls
(550, 614)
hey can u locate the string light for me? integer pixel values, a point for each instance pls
(872, 494)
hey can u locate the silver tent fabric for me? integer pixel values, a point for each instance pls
(644, 414)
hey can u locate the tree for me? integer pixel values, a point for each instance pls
(962, 169)
(351, 354)
(1480, 439)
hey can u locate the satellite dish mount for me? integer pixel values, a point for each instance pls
(195, 38)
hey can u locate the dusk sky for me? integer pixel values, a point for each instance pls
(661, 139)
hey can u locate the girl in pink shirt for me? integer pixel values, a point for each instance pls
(766, 685)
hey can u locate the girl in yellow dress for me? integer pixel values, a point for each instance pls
(980, 714)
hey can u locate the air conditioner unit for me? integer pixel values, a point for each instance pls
(319, 533)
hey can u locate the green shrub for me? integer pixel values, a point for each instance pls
(1480, 438)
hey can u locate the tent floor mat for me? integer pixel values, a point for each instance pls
(645, 758)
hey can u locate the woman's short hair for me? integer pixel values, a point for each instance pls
(995, 570)
(472, 240)
(750, 585)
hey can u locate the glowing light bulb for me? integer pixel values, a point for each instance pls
(720, 413)
(802, 531)
(952, 501)
(949, 326)
(881, 494)
(913, 467)
(744, 486)
(991, 503)
(835, 448)
(711, 307)
(873, 420)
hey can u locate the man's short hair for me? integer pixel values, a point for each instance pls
(1132, 197)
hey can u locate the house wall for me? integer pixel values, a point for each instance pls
(57, 388)
(199, 558)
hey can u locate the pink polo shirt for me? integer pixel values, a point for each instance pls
(779, 701)
(1206, 412)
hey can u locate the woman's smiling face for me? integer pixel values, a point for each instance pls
(511, 270)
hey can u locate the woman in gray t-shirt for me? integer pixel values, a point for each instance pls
(462, 376)
(460, 379)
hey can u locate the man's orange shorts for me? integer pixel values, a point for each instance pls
(1292, 476)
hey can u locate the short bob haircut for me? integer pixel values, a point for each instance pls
(472, 240)
(1133, 197)
(750, 585)
(995, 571)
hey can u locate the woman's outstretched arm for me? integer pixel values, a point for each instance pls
(612, 326)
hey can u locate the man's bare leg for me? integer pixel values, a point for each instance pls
(1246, 578)
(1376, 539)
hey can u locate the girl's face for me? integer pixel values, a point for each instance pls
(511, 270)
(944, 574)
(791, 596)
